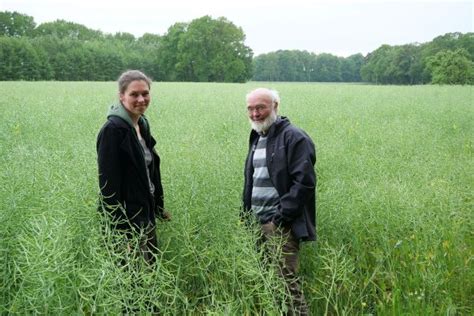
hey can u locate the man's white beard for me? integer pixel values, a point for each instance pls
(265, 125)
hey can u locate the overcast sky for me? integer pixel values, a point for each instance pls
(340, 27)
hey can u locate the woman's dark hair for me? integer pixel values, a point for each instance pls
(129, 76)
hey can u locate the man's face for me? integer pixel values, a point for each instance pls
(259, 107)
(262, 111)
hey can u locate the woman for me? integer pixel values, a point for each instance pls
(129, 167)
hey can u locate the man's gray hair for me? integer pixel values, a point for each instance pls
(273, 94)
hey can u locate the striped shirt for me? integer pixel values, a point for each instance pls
(265, 198)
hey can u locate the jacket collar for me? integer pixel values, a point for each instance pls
(119, 110)
(280, 123)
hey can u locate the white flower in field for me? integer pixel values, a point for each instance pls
(398, 244)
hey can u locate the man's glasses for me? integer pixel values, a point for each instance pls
(258, 108)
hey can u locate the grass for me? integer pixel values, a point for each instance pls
(395, 199)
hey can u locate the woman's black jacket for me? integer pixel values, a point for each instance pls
(123, 180)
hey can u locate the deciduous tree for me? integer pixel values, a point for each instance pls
(14, 24)
(452, 67)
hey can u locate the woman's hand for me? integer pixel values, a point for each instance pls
(165, 216)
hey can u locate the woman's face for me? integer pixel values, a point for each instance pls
(136, 98)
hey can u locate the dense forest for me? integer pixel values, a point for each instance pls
(213, 50)
(447, 59)
(294, 65)
(205, 49)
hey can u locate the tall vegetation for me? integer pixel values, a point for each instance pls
(395, 223)
(205, 49)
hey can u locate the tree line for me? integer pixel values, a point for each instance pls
(447, 59)
(213, 50)
(205, 49)
(295, 65)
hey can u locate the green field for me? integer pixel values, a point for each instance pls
(395, 201)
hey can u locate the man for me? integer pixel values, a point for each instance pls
(280, 185)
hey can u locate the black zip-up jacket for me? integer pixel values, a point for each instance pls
(122, 174)
(291, 156)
